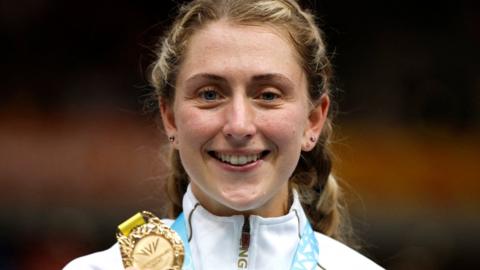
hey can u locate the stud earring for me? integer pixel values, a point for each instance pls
(313, 139)
(171, 139)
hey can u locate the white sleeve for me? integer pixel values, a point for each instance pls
(109, 259)
(335, 255)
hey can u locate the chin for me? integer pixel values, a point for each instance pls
(241, 209)
(242, 202)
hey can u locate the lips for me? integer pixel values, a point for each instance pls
(238, 159)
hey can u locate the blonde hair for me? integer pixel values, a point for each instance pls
(318, 189)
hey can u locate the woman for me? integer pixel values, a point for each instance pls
(243, 88)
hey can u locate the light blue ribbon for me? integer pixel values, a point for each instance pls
(181, 228)
(305, 257)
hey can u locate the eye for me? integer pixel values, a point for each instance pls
(209, 95)
(268, 96)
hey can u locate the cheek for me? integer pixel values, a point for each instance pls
(285, 126)
(196, 123)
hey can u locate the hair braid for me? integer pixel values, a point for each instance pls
(176, 185)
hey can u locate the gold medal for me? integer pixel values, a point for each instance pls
(147, 243)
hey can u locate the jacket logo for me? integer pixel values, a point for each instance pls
(242, 262)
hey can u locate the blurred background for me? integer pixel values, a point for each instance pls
(79, 154)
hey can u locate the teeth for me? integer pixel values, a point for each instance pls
(237, 159)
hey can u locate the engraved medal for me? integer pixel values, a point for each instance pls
(147, 243)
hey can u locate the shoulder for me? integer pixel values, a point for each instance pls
(109, 259)
(336, 255)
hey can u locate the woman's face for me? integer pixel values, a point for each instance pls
(241, 117)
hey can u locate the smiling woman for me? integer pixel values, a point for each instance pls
(239, 111)
(243, 88)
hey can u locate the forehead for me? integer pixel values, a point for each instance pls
(222, 45)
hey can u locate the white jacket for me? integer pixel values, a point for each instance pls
(215, 243)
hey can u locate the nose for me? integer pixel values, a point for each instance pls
(239, 125)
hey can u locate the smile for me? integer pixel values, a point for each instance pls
(238, 159)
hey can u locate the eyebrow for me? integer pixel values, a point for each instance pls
(207, 76)
(270, 77)
(267, 77)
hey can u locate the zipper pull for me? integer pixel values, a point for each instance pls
(245, 240)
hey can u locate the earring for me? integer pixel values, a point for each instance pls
(313, 139)
(171, 139)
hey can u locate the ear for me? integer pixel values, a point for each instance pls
(168, 118)
(316, 121)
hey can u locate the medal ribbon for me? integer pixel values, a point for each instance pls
(305, 257)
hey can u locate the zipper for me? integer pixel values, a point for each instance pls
(245, 239)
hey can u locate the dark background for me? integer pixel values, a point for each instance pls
(79, 153)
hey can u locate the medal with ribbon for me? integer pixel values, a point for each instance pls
(147, 243)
